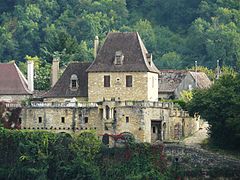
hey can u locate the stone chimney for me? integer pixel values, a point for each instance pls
(55, 71)
(30, 74)
(96, 44)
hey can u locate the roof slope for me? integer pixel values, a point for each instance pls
(12, 81)
(169, 80)
(62, 86)
(133, 49)
(202, 80)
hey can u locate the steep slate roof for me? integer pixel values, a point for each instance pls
(12, 81)
(62, 86)
(133, 49)
(202, 80)
(169, 80)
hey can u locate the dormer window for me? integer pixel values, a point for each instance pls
(149, 58)
(74, 82)
(118, 58)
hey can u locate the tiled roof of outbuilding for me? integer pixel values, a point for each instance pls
(133, 49)
(12, 81)
(169, 80)
(62, 86)
(202, 80)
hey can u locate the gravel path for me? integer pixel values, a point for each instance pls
(196, 139)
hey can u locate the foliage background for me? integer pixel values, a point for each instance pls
(176, 32)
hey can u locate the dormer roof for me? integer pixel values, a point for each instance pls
(12, 81)
(62, 87)
(131, 47)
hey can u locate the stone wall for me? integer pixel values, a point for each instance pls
(113, 118)
(141, 89)
(61, 119)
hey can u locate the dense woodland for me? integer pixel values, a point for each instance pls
(176, 32)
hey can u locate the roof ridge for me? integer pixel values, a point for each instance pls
(144, 52)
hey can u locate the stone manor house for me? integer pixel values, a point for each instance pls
(117, 93)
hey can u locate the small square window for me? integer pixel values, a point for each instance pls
(86, 120)
(127, 119)
(63, 119)
(74, 84)
(129, 81)
(106, 81)
(39, 119)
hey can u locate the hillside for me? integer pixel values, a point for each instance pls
(177, 33)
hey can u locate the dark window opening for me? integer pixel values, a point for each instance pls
(63, 119)
(86, 120)
(106, 81)
(128, 81)
(20, 120)
(127, 119)
(39, 119)
(154, 129)
(107, 112)
(74, 83)
(101, 113)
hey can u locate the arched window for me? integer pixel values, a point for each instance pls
(74, 82)
(118, 58)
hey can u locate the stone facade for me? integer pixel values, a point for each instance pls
(146, 121)
(144, 87)
(117, 93)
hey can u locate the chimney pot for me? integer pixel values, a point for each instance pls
(30, 74)
(55, 71)
(96, 44)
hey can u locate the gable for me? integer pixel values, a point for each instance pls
(12, 81)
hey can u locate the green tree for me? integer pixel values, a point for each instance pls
(220, 106)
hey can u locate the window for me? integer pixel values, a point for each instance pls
(118, 58)
(190, 87)
(74, 82)
(86, 120)
(129, 81)
(127, 119)
(107, 112)
(20, 120)
(39, 119)
(154, 129)
(63, 119)
(149, 58)
(106, 81)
